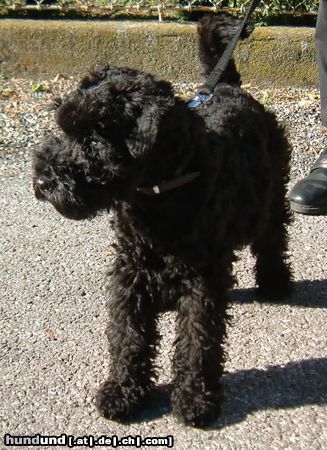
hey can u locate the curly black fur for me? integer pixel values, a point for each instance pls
(214, 33)
(124, 129)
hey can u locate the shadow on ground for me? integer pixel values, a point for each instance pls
(306, 294)
(293, 385)
(296, 384)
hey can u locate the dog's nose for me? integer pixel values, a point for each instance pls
(40, 185)
(41, 182)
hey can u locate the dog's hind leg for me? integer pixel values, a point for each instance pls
(272, 270)
(133, 336)
(198, 359)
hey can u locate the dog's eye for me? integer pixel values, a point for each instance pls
(55, 104)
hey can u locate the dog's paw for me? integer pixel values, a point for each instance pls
(117, 401)
(198, 409)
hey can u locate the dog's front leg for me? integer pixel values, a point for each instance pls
(198, 359)
(132, 335)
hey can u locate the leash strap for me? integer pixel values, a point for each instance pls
(204, 92)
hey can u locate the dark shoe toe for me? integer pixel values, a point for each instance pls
(309, 196)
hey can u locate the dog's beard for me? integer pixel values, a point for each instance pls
(71, 208)
(68, 205)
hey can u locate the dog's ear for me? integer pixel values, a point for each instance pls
(124, 106)
(153, 108)
(77, 113)
(148, 123)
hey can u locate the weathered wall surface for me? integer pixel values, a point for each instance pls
(42, 49)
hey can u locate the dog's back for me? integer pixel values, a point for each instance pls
(251, 147)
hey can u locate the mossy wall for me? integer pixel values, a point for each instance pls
(42, 49)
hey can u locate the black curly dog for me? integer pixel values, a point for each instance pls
(125, 134)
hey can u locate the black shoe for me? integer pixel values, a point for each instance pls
(309, 196)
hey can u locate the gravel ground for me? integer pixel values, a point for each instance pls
(53, 347)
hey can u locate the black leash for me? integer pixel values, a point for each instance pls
(204, 93)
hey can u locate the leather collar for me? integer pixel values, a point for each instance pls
(169, 185)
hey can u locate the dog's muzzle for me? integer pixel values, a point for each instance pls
(40, 185)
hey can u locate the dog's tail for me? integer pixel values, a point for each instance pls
(215, 32)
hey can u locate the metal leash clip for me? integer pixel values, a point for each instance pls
(202, 96)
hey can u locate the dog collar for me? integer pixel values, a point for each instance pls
(169, 185)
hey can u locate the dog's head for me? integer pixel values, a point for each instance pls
(77, 178)
(109, 126)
